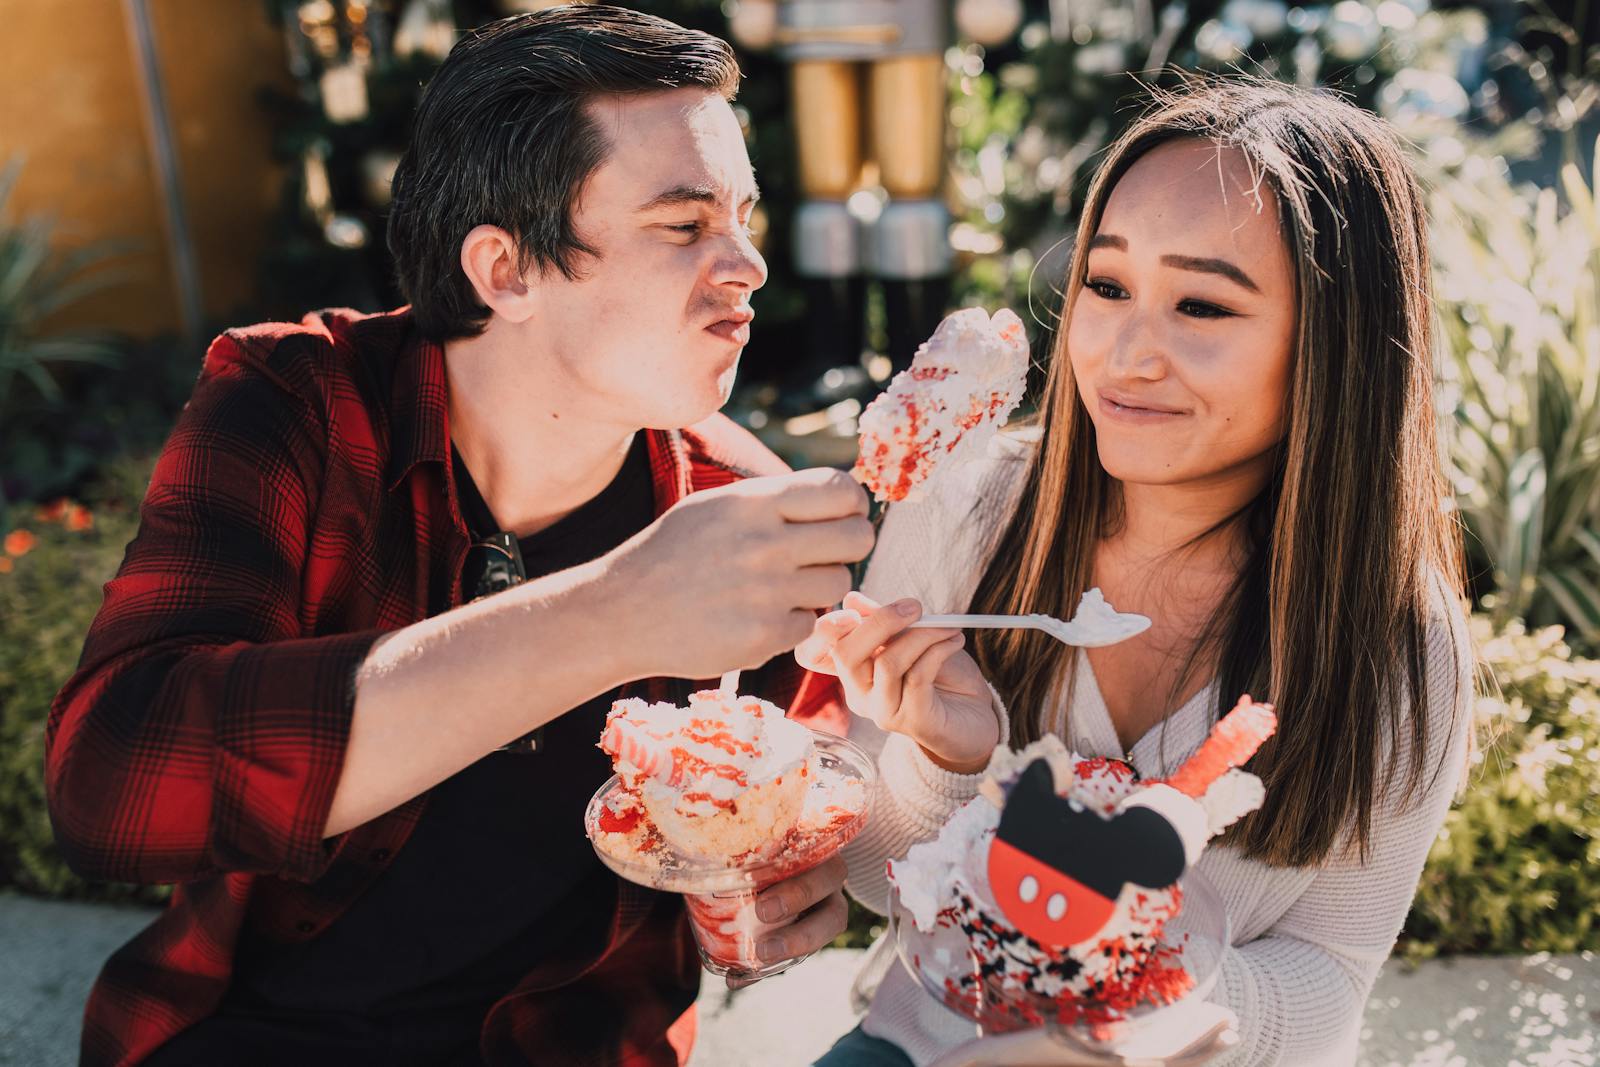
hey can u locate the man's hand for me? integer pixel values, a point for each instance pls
(915, 682)
(811, 909)
(730, 577)
(727, 578)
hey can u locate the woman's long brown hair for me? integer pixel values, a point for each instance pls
(1344, 546)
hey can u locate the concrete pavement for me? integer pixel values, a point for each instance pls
(1497, 1012)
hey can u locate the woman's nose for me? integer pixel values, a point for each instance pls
(1139, 349)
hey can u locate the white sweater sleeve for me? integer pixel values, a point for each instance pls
(1299, 989)
(922, 553)
(913, 798)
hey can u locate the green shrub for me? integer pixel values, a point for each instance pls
(1518, 279)
(37, 283)
(1513, 869)
(49, 593)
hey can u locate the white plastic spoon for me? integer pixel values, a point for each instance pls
(1095, 624)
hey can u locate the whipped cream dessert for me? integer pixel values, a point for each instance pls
(1007, 979)
(725, 778)
(719, 800)
(962, 385)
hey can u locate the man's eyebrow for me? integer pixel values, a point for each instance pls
(1199, 264)
(695, 194)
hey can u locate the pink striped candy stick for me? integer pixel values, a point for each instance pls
(625, 740)
(1233, 740)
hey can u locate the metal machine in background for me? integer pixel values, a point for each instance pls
(868, 83)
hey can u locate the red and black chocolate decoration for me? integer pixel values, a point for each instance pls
(1056, 867)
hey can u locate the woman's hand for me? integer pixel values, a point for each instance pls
(916, 682)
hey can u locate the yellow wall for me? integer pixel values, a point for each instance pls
(71, 102)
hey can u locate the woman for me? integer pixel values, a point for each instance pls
(1238, 441)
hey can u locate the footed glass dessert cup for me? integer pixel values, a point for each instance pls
(721, 895)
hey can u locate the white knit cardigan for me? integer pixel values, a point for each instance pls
(1306, 942)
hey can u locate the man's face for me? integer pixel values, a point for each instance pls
(650, 333)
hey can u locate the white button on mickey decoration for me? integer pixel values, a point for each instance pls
(1056, 907)
(1029, 889)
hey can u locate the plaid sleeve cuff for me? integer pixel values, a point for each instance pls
(282, 727)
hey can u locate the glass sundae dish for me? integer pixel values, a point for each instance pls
(719, 800)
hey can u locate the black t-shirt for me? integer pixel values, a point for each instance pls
(476, 896)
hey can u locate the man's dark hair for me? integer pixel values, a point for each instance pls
(502, 137)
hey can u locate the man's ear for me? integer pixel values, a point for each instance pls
(489, 260)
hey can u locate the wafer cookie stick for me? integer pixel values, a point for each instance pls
(1233, 740)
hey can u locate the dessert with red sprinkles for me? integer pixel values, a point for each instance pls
(718, 800)
(962, 385)
(723, 783)
(724, 778)
(1006, 979)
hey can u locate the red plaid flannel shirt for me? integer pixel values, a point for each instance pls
(303, 506)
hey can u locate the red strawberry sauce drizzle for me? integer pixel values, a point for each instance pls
(712, 732)
(620, 822)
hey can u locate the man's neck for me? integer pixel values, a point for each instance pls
(533, 455)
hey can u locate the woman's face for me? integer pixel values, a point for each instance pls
(1182, 338)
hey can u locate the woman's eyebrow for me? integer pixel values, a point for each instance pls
(1206, 265)
(1199, 264)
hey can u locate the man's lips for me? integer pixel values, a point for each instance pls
(735, 327)
(1123, 407)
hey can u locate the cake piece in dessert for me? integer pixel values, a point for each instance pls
(962, 385)
(724, 778)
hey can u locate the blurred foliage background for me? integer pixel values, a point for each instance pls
(1499, 100)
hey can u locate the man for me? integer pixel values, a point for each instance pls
(367, 784)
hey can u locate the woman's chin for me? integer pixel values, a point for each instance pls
(1139, 469)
